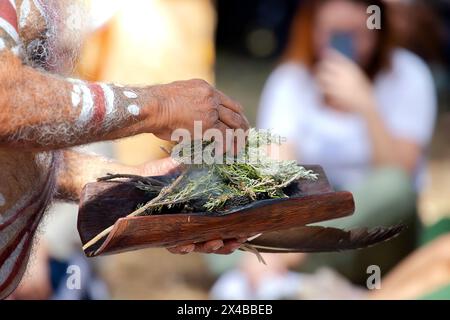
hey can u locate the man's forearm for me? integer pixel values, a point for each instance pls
(43, 112)
(78, 169)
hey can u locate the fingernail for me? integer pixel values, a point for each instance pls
(188, 249)
(217, 246)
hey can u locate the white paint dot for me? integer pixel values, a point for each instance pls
(130, 94)
(2, 44)
(2, 200)
(134, 109)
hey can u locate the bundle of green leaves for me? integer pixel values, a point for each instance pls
(229, 182)
(234, 180)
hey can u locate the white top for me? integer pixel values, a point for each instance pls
(292, 106)
(235, 284)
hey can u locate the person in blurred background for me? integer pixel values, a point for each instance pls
(276, 280)
(354, 100)
(346, 97)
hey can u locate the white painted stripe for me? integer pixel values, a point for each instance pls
(134, 109)
(44, 159)
(13, 3)
(8, 266)
(76, 81)
(39, 7)
(109, 98)
(130, 94)
(9, 29)
(2, 44)
(76, 95)
(2, 200)
(87, 108)
(19, 205)
(22, 222)
(24, 13)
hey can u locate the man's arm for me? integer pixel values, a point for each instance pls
(78, 169)
(39, 111)
(44, 112)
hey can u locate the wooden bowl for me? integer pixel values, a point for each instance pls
(104, 204)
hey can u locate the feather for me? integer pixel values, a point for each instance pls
(322, 239)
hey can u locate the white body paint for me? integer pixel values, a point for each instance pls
(76, 95)
(9, 29)
(41, 10)
(17, 206)
(7, 267)
(10, 232)
(2, 44)
(76, 81)
(2, 200)
(24, 13)
(109, 98)
(134, 109)
(87, 108)
(13, 3)
(84, 96)
(130, 94)
(44, 160)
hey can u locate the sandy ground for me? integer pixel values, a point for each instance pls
(157, 274)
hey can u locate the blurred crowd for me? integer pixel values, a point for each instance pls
(362, 102)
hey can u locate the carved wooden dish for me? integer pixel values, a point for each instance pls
(104, 204)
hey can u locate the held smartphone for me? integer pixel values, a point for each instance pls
(343, 42)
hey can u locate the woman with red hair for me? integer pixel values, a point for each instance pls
(346, 97)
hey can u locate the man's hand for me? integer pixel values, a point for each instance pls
(215, 246)
(166, 166)
(344, 84)
(182, 103)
